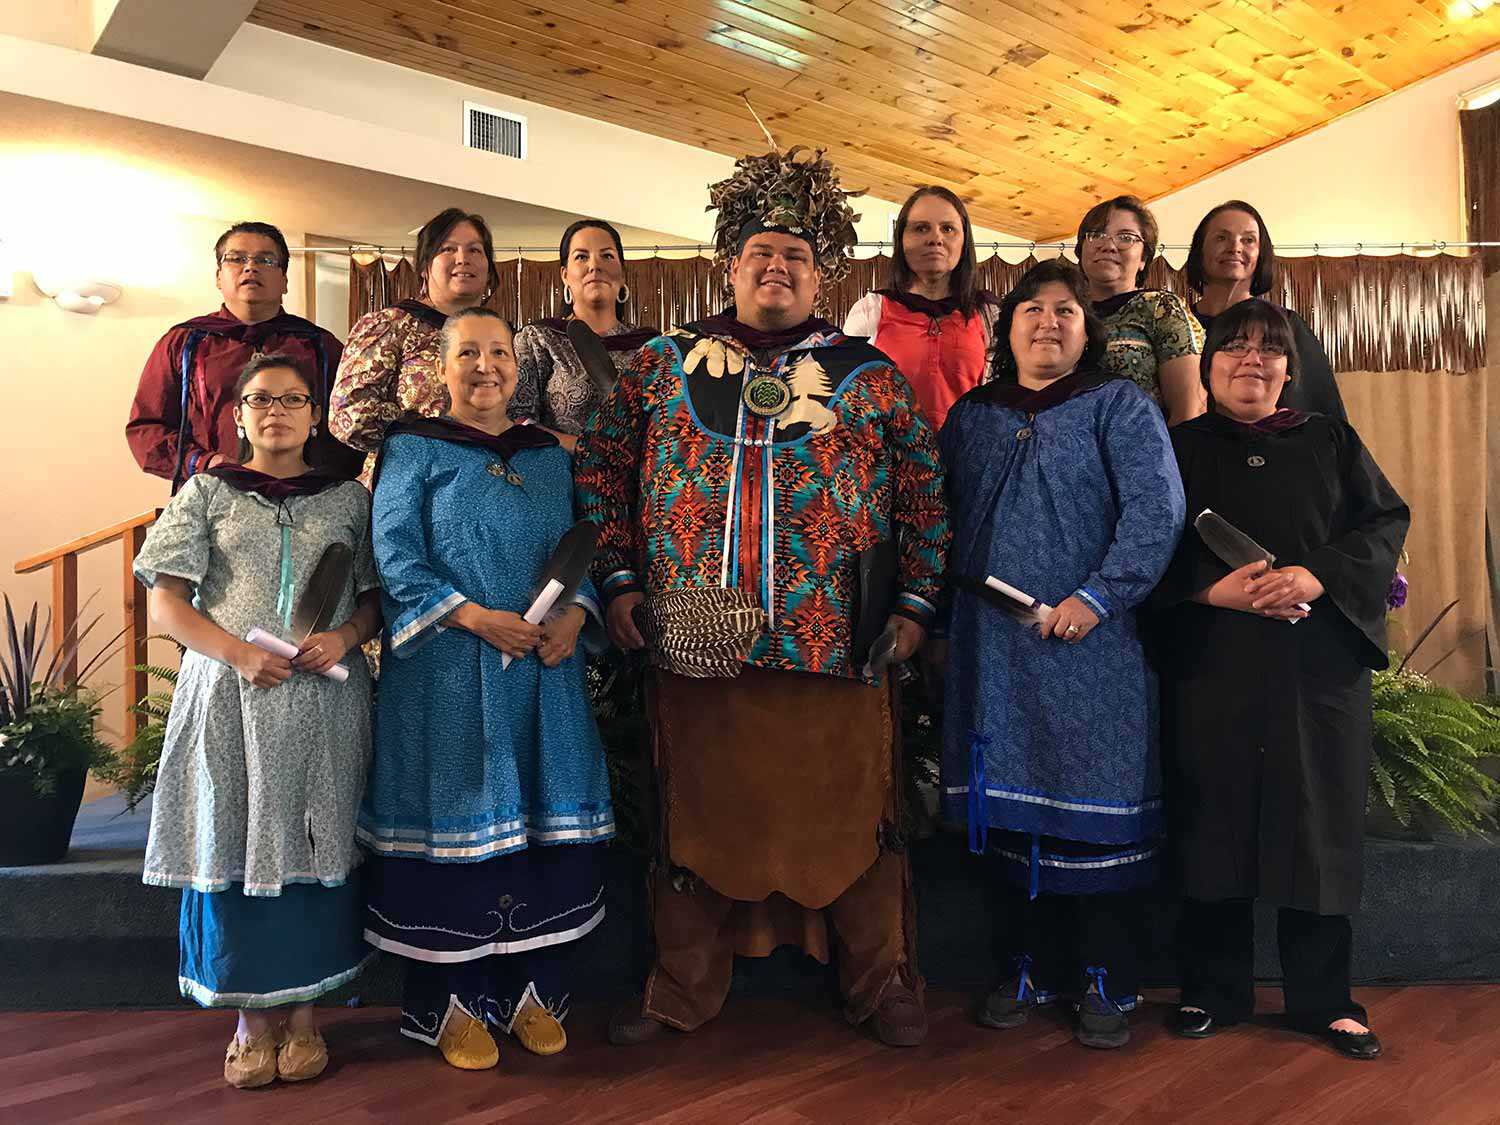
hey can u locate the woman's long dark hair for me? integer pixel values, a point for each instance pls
(1265, 262)
(963, 283)
(566, 245)
(1044, 273)
(1236, 321)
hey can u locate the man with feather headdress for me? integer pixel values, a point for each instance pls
(770, 502)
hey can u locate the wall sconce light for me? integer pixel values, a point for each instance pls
(77, 294)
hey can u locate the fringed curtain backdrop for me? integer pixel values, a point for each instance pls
(1395, 313)
(1479, 131)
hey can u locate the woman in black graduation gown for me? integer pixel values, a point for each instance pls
(1266, 703)
(1231, 260)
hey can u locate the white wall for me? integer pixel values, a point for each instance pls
(1389, 172)
(62, 23)
(565, 150)
(72, 78)
(298, 97)
(596, 165)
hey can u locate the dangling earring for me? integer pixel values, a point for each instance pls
(624, 293)
(240, 432)
(567, 294)
(313, 432)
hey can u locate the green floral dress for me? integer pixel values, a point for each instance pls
(1147, 327)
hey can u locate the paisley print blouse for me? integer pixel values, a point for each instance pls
(552, 387)
(390, 368)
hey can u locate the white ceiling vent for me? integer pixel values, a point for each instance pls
(493, 130)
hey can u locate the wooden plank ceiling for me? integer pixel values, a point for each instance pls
(1030, 109)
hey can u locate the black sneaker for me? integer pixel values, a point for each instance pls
(1008, 1005)
(1101, 1023)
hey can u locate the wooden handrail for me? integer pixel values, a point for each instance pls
(87, 542)
(64, 562)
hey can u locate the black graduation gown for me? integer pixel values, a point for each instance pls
(1314, 390)
(1267, 724)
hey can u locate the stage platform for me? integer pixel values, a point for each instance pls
(86, 933)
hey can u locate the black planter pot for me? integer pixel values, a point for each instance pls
(36, 828)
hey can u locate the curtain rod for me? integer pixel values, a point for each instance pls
(1438, 245)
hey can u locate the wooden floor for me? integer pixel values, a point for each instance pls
(775, 1061)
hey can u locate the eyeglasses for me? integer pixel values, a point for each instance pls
(292, 400)
(1242, 347)
(1124, 239)
(238, 259)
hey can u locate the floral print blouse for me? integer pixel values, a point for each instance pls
(1146, 328)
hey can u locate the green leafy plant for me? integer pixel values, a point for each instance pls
(46, 716)
(132, 768)
(1429, 744)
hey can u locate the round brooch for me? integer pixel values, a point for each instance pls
(766, 396)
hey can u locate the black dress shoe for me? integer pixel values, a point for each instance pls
(1353, 1044)
(1193, 1023)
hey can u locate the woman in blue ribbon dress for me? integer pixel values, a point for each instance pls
(1062, 484)
(489, 789)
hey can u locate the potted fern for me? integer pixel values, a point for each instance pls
(47, 740)
(132, 768)
(1430, 745)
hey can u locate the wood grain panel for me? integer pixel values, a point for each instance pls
(1030, 109)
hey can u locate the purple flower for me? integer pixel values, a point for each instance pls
(1395, 598)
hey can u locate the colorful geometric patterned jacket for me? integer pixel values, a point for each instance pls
(691, 487)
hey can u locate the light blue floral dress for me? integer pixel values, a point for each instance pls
(257, 791)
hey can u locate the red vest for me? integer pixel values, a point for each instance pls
(942, 359)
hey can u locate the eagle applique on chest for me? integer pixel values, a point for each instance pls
(723, 384)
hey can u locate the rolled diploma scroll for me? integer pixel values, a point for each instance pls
(539, 609)
(271, 643)
(1041, 609)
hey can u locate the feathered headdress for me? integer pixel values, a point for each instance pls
(778, 192)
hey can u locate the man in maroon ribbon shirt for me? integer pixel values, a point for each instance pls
(182, 419)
